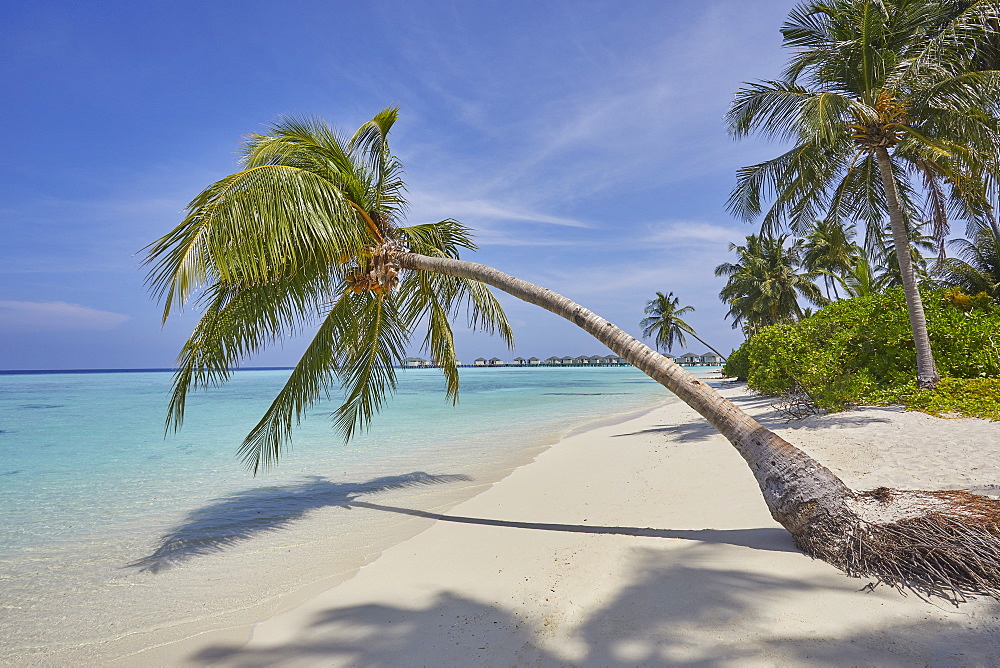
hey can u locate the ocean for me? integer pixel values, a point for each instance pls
(116, 536)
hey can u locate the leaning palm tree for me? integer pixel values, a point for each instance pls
(310, 233)
(880, 98)
(764, 283)
(664, 323)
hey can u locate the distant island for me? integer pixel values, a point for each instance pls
(687, 359)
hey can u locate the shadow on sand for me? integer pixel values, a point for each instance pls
(773, 539)
(700, 430)
(242, 515)
(678, 610)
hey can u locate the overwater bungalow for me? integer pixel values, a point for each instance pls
(711, 359)
(689, 359)
(567, 360)
(495, 361)
(519, 361)
(534, 361)
(415, 362)
(479, 361)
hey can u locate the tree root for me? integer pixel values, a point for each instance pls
(942, 544)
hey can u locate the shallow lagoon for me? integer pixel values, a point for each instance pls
(125, 536)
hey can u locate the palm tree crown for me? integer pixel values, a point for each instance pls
(664, 323)
(764, 283)
(307, 233)
(977, 269)
(829, 251)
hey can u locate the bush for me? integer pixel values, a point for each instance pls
(737, 364)
(861, 350)
(979, 397)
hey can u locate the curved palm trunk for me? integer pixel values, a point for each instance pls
(941, 543)
(927, 375)
(798, 490)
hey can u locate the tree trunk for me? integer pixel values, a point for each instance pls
(700, 340)
(927, 375)
(798, 490)
(939, 543)
(992, 218)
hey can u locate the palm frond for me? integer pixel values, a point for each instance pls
(309, 381)
(368, 369)
(237, 323)
(263, 224)
(769, 107)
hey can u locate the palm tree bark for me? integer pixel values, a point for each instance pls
(927, 374)
(992, 219)
(800, 492)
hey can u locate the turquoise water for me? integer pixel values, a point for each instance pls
(82, 453)
(128, 537)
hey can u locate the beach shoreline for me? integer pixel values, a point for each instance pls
(636, 539)
(193, 585)
(642, 542)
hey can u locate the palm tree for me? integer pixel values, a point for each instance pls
(764, 284)
(886, 259)
(829, 251)
(977, 269)
(309, 232)
(860, 280)
(665, 324)
(879, 96)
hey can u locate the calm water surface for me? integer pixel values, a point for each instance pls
(83, 453)
(129, 538)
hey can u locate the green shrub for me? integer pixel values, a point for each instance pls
(861, 350)
(978, 397)
(737, 364)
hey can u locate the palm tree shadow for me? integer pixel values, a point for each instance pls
(243, 515)
(678, 609)
(771, 538)
(699, 430)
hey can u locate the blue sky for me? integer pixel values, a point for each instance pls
(583, 140)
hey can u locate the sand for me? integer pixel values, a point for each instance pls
(640, 543)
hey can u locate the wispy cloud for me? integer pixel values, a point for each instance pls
(692, 233)
(428, 205)
(56, 317)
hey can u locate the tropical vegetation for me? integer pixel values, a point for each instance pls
(882, 100)
(860, 350)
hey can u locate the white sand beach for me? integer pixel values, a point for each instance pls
(640, 543)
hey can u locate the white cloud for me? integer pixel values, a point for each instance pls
(429, 206)
(56, 317)
(682, 232)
